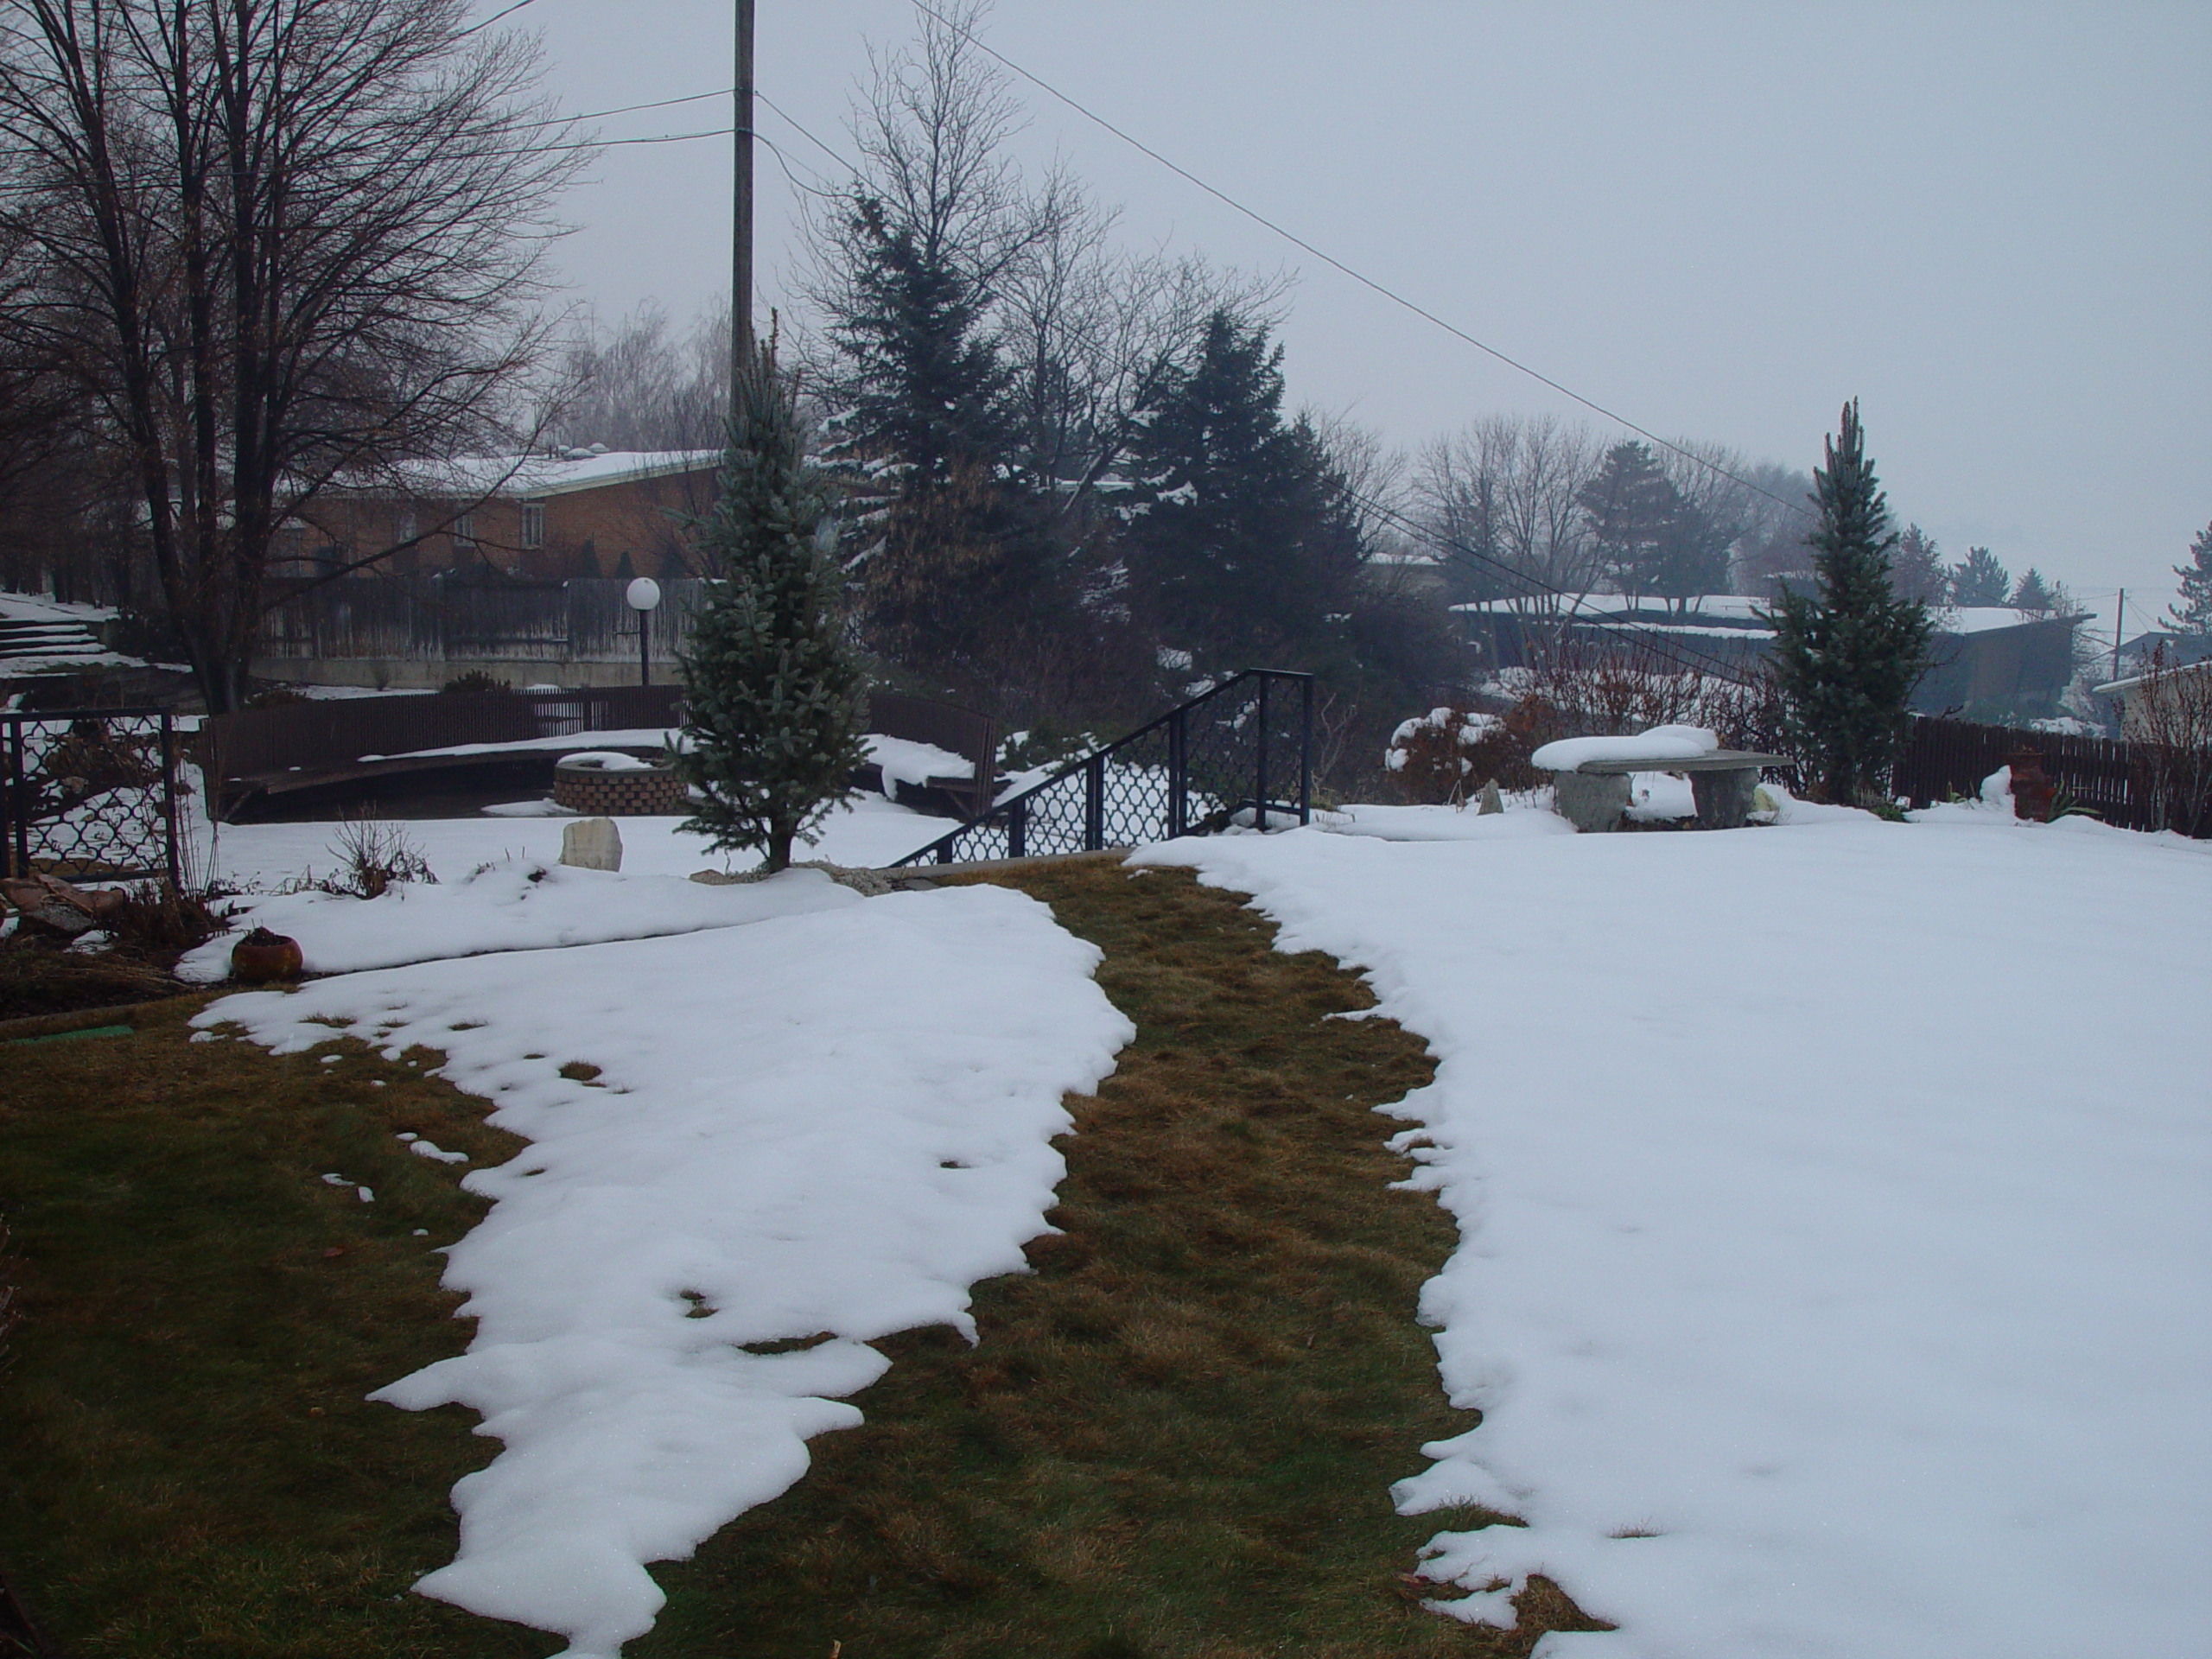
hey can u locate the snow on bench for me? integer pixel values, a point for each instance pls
(1591, 775)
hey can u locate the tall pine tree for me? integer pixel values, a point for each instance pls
(952, 550)
(1979, 579)
(1629, 505)
(2192, 613)
(2033, 593)
(1848, 654)
(773, 694)
(1248, 543)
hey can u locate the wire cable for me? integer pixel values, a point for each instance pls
(506, 11)
(1668, 646)
(1330, 259)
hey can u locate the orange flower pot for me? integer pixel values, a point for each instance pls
(262, 956)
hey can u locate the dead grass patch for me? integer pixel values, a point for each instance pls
(187, 1466)
(1175, 1440)
(1177, 1436)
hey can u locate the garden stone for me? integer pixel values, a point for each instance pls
(592, 844)
(1592, 802)
(1724, 798)
(1491, 800)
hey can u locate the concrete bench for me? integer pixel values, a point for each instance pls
(1593, 796)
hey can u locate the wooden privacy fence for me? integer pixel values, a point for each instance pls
(2131, 786)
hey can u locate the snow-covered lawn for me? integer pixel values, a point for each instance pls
(832, 1119)
(1836, 1216)
(515, 904)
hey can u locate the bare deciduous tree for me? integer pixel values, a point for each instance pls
(1506, 488)
(640, 386)
(277, 243)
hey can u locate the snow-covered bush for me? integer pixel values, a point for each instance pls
(1432, 757)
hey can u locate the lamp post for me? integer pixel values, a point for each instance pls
(643, 594)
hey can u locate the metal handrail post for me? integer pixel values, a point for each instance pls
(1305, 753)
(1093, 804)
(1017, 830)
(1259, 779)
(168, 800)
(18, 807)
(1179, 807)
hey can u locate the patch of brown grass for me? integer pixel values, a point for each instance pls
(1176, 1437)
(188, 1464)
(38, 976)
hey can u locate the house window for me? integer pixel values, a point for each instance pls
(464, 532)
(404, 529)
(533, 524)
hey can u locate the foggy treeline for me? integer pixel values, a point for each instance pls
(1068, 484)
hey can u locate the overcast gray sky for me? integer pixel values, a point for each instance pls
(1992, 223)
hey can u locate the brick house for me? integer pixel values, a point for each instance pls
(511, 566)
(587, 513)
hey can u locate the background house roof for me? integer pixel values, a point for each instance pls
(518, 477)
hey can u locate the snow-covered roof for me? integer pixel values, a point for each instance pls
(1740, 609)
(2113, 688)
(1984, 618)
(531, 476)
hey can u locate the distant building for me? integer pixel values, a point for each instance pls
(2170, 703)
(511, 566)
(534, 518)
(1990, 663)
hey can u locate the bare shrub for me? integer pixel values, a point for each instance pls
(1503, 755)
(1609, 691)
(373, 857)
(157, 921)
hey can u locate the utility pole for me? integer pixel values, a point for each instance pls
(740, 291)
(2119, 631)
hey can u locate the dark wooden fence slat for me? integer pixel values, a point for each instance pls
(1941, 758)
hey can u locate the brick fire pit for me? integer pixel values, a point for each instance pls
(605, 784)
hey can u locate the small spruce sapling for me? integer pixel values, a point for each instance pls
(772, 692)
(1848, 654)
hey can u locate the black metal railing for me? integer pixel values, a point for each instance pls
(92, 795)
(1241, 754)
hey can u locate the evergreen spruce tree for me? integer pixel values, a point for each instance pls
(955, 554)
(1917, 571)
(2033, 593)
(1248, 542)
(1848, 654)
(1980, 579)
(1629, 505)
(773, 693)
(2194, 613)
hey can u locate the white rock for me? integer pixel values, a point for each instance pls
(592, 844)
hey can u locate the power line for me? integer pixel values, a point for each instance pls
(1662, 645)
(804, 134)
(507, 11)
(631, 109)
(1361, 277)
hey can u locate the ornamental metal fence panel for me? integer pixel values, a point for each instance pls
(94, 795)
(1241, 754)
